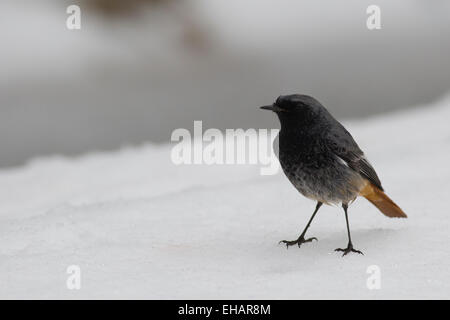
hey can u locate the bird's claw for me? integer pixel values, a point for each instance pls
(298, 242)
(348, 250)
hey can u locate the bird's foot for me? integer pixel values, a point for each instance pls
(349, 249)
(298, 242)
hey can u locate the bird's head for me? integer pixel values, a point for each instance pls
(295, 107)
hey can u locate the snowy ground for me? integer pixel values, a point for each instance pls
(140, 227)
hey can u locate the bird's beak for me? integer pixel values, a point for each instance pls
(267, 107)
(272, 107)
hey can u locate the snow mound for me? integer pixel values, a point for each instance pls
(140, 227)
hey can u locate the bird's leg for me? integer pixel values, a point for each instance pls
(302, 239)
(350, 244)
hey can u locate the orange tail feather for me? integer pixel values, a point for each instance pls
(380, 200)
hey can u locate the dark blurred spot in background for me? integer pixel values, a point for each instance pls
(139, 69)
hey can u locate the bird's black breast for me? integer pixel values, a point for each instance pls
(313, 168)
(304, 146)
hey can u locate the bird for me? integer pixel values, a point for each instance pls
(324, 163)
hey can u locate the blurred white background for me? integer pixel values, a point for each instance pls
(136, 71)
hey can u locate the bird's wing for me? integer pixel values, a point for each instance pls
(342, 144)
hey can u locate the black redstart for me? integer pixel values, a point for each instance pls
(323, 162)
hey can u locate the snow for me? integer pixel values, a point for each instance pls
(140, 227)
